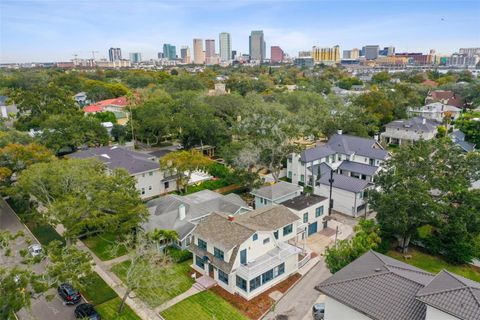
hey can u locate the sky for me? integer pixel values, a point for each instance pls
(56, 30)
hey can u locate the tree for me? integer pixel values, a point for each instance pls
(381, 77)
(162, 237)
(366, 238)
(184, 163)
(82, 196)
(107, 116)
(468, 123)
(119, 133)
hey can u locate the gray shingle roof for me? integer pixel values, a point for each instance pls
(164, 212)
(115, 157)
(316, 153)
(458, 137)
(358, 167)
(268, 218)
(415, 123)
(344, 182)
(453, 294)
(303, 201)
(277, 190)
(380, 287)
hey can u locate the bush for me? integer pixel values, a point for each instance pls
(179, 255)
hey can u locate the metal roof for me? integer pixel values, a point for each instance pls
(358, 168)
(344, 182)
(415, 123)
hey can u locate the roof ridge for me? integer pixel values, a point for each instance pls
(372, 275)
(474, 295)
(440, 292)
(411, 270)
(458, 278)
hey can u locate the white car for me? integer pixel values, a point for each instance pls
(35, 250)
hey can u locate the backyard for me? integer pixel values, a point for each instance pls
(205, 305)
(158, 295)
(434, 264)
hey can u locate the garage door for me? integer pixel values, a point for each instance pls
(312, 228)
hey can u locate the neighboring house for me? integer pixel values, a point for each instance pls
(275, 193)
(354, 161)
(378, 287)
(400, 132)
(150, 180)
(219, 89)
(445, 97)
(183, 213)
(311, 209)
(458, 137)
(436, 111)
(81, 98)
(118, 106)
(249, 253)
(7, 112)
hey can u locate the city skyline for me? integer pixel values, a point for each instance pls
(294, 26)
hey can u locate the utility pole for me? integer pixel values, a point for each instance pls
(330, 207)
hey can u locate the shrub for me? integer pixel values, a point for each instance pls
(179, 255)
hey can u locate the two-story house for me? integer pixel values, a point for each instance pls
(375, 286)
(275, 193)
(436, 111)
(183, 213)
(399, 132)
(144, 168)
(249, 253)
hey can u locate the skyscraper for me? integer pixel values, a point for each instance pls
(185, 54)
(257, 46)
(326, 54)
(169, 51)
(198, 54)
(209, 48)
(225, 45)
(276, 54)
(353, 54)
(371, 52)
(135, 57)
(115, 54)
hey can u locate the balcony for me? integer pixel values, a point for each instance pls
(267, 261)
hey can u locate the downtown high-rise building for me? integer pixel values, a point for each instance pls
(135, 57)
(371, 52)
(326, 54)
(198, 54)
(353, 54)
(276, 54)
(470, 51)
(257, 46)
(185, 54)
(114, 54)
(225, 46)
(169, 51)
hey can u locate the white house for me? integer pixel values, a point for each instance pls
(144, 168)
(436, 111)
(249, 253)
(378, 287)
(410, 130)
(311, 209)
(183, 213)
(275, 193)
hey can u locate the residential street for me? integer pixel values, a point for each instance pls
(41, 309)
(297, 303)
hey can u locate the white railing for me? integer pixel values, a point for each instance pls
(304, 261)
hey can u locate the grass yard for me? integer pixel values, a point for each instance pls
(434, 264)
(205, 305)
(98, 291)
(102, 246)
(156, 296)
(44, 233)
(108, 311)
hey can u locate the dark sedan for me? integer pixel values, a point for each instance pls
(69, 294)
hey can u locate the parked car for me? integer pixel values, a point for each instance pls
(35, 250)
(86, 311)
(180, 147)
(318, 311)
(69, 294)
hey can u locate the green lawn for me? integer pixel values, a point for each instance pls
(44, 233)
(98, 291)
(205, 305)
(102, 245)
(108, 311)
(434, 264)
(156, 296)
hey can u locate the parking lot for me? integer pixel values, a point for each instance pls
(41, 308)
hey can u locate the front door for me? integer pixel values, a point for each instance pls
(210, 271)
(312, 228)
(243, 256)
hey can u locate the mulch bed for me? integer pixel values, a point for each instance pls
(256, 307)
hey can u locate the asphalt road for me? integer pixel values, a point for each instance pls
(41, 309)
(297, 303)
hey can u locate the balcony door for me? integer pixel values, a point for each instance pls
(243, 256)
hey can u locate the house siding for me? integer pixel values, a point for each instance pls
(435, 314)
(335, 310)
(344, 201)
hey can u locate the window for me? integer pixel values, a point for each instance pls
(241, 283)
(199, 262)
(202, 244)
(275, 234)
(281, 269)
(266, 240)
(150, 173)
(360, 195)
(222, 276)
(289, 160)
(287, 229)
(255, 237)
(267, 276)
(166, 184)
(318, 211)
(150, 188)
(143, 175)
(302, 178)
(143, 190)
(218, 253)
(255, 283)
(305, 217)
(289, 174)
(302, 163)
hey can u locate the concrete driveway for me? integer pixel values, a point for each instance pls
(41, 308)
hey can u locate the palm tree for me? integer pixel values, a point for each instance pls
(163, 237)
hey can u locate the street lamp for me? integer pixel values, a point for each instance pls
(330, 206)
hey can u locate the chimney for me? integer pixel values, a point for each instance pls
(375, 137)
(424, 121)
(339, 131)
(231, 217)
(181, 211)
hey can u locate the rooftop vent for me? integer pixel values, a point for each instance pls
(105, 155)
(231, 217)
(378, 269)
